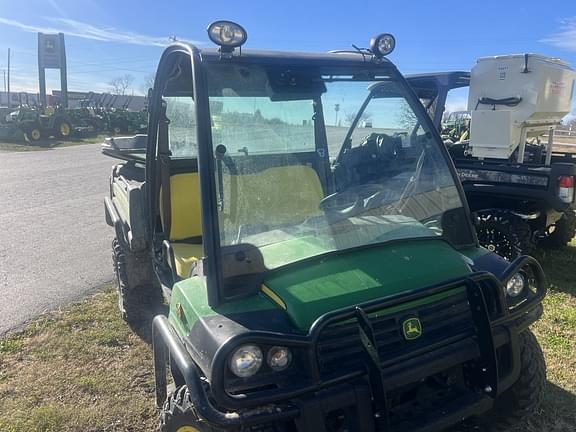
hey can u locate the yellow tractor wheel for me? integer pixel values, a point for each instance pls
(34, 134)
(63, 129)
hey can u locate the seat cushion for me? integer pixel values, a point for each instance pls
(185, 255)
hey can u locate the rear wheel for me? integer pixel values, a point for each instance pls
(505, 234)
(139, 294)
(564, 231)
(525, 395)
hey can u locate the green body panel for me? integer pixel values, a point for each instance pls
(312, 289)
(192, 296)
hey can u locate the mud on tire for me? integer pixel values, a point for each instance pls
(139, 294)
(525, 395)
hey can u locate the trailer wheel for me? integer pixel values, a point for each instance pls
(526, 394)
(139, 296)
(178, 414)
(505, 234)
(564, 231)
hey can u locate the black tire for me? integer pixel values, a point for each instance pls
(564, 231)
(63, 129)
(525, 396)
(33, 134)
(505, 234)
(178, 412)
(139, 294)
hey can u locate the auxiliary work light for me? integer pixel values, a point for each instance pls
(382, 45)
(227, 34)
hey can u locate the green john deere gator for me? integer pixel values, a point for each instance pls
(321, 275)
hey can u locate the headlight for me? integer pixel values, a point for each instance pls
(382, 45)
(227, 34)
(246, 361)
(515, 285)
(279, 358)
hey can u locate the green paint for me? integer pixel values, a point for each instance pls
(311, 289)
(192, 295)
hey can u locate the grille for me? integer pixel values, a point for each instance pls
(448, 320)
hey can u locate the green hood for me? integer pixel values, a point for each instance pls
(312, 288)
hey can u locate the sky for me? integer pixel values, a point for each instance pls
(106, 39)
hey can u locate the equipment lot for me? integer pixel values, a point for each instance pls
(54, 245)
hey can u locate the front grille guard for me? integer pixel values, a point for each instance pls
(476, 285)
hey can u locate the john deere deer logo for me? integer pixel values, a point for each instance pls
(412, 328)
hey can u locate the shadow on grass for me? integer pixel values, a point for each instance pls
(144, 329)
(560, 268)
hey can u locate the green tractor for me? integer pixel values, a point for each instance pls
(304, 294)
(37, 123)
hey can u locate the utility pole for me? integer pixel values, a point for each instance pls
(8, 88)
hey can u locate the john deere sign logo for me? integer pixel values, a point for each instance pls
(412, 328)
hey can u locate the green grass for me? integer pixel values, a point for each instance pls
(47, 144)
(82, 368)
(77, 369)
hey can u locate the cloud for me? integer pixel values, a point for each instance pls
(565, 38)
(87, 31)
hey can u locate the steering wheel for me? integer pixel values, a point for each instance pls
(352, 201)
(387, 146)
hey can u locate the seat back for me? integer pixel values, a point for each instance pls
(186, 221)
(273, 196)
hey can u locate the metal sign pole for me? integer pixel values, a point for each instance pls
(63, 72)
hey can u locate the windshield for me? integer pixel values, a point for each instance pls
(309, 163)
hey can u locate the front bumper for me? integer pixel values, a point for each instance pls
(375, 398)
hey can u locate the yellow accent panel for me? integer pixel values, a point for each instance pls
(273, 296)
(185, 205)
(185, 255)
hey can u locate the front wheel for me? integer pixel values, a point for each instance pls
(526, 394)
(63, 129)
(178, 414)
(33, 134)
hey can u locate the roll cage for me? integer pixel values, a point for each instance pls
(181, 71)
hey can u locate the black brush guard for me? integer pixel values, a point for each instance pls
(362, 394)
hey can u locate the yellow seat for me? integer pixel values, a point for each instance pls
(185, 255)
(185, 221)
(274, 196)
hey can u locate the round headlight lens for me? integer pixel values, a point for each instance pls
(515, 285)
(279, 358)
(246, 361)
(383, 44)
